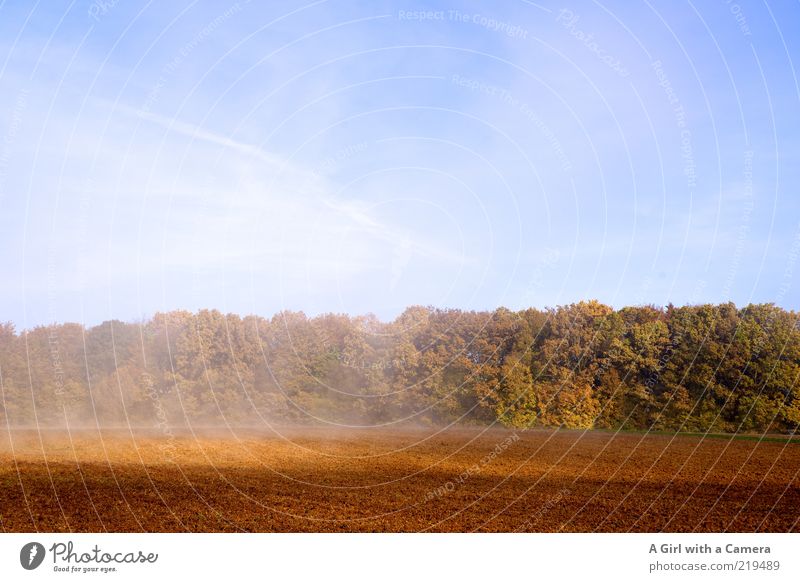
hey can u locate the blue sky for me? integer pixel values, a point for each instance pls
(365, 156)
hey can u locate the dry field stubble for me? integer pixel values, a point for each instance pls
(395, 480)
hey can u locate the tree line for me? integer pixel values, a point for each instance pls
(586, 365)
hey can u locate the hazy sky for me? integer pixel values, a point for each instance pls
(366, 156)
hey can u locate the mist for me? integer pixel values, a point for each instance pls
(584, 365)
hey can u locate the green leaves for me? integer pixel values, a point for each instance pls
(705, 367)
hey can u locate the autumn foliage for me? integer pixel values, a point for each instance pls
(707, 367)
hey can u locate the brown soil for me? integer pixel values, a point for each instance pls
(395, 480)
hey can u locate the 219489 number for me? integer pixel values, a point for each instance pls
(758, 565)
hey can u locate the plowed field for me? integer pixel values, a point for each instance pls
(395, 480)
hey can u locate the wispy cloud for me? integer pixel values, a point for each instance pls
(199, 133)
